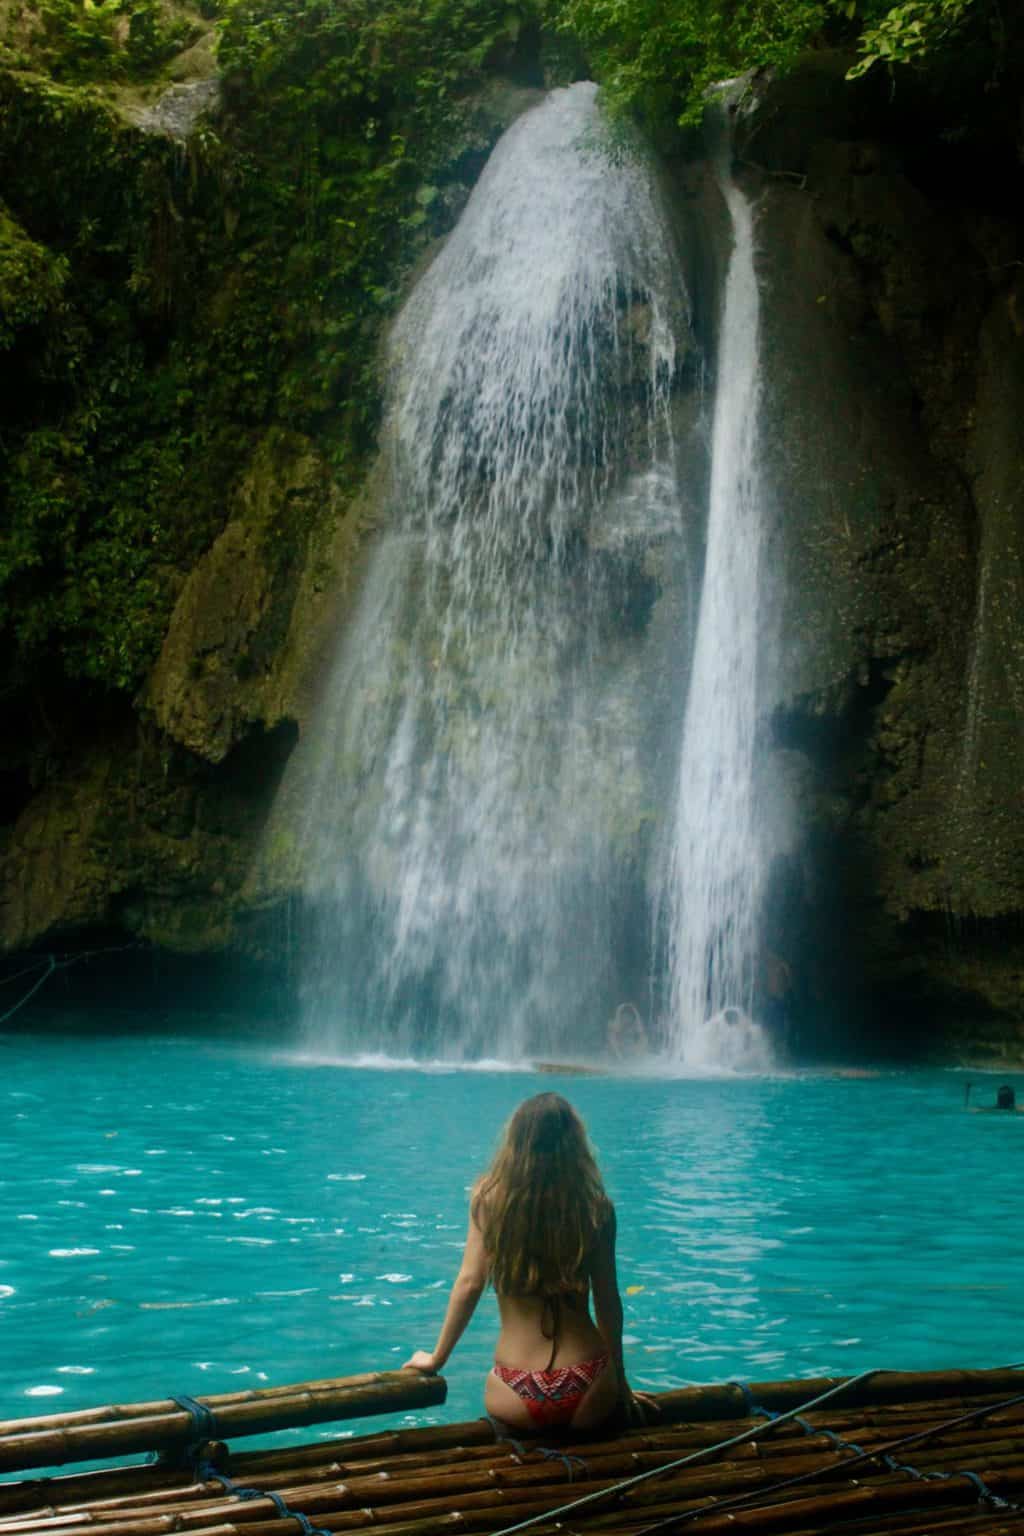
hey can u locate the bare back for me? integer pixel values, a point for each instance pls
(532, 1328)
(538, 1336)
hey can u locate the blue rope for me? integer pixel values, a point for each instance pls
(306, 1526)
(759, 1412)
(985, 1493)
(568, 1460)
(204, 1421)
(748, 1399)
(830, 1434)
(205, 1473)
(502, 1436)
(914, 1472)
(550, 1453)
(204, 1427)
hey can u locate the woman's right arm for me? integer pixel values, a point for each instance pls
(465, 1293)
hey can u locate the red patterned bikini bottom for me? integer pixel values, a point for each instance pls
(552, 1397)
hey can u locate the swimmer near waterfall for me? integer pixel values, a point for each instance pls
(1005, 1101)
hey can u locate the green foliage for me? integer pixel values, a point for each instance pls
(102, 40)
(32, 281)
(912, 32)
(349, 115)
(661, 57)
(100, 429)
(103, 509)
(163, 311)
(169, 310)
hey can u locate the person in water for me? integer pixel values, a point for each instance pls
(1006, 1099)
(626, 1034)
(542, 1231)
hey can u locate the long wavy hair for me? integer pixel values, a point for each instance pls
(541, 1203)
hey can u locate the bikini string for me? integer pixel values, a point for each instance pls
(554, 1303)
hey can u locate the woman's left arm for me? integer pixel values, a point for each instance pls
(465, 1293)
(604, 1281)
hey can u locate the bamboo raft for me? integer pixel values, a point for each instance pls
(889, 1452)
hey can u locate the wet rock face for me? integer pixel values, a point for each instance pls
(179, 109)
(148, 826)
(235, 647)
(894, 431)
(139, 837)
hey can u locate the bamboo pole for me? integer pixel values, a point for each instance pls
(423, 1500)
(730, 1402)
(477, 1434)
(992, 1520)
(401, 1483)
(438, 1494)
(881, 1425)
(684, 1405)
(441, 1491)
(84, 1416)
(474, 1434)
(414, 1477)
(384, 1392)
(473, 1442)
(893, 1498)
(779, 1459)
(633, 1452)
(70, 1487)
(490, 1508)
(890, 1495)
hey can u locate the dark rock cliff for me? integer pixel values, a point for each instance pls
(893, 346)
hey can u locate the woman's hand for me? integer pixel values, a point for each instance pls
(639, 1407)
(423, 1361)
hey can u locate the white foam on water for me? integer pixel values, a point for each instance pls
(377, 1061)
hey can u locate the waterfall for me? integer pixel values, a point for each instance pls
(713, 877)
(482, 753)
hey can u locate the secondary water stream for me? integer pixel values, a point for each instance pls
(715, 858)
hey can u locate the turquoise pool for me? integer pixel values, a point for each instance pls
(185, 1217)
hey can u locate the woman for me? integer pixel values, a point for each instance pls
(542, 1230)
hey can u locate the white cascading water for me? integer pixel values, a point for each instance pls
(713, 881)
(480, 753)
